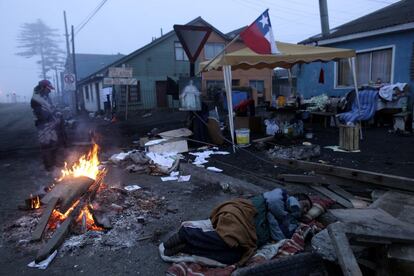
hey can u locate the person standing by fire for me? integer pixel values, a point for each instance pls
(49, 123)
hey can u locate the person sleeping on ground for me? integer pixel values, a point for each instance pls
(238, 227)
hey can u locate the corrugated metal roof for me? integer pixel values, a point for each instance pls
(86, 64)
(396, 14)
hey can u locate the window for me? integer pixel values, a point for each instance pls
(86, 90)
(258, 85)
(212, 49)
(92, 92)
(370, 67)
(97, 90)
(179, 52)
(215, 84)
(235, 82)
(134, 95)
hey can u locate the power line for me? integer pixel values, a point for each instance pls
(89, 17)
(381, 2)
(250, 5)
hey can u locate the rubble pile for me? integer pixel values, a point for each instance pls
(295, 152)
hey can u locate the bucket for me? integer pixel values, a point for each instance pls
(243, 137)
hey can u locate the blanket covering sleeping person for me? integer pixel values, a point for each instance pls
(240, 226)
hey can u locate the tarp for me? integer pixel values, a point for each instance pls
(291, 54)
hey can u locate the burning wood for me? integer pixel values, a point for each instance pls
(72, 217)
(32, 203)
(68, 190)
(75, 189)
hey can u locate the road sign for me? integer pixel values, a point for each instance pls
(192, 38)
(119, 72)
(120, 81)
(69, 81)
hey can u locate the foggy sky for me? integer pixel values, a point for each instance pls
(122, 26)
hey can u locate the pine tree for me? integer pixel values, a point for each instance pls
(37, 39)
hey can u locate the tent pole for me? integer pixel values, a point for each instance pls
(227, 85)
(290, 81)
(351, 62)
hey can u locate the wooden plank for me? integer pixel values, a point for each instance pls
(374, 223)
(385, 180)
(68, 190)
(41, 225)
(300, 178)
(265, 139)
(398, 205)
(356, 203)
(340, 200)
(343, 250)
(54, 242)
(401, 252)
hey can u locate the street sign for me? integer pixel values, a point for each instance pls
(120, 81)
(69, 82)
(119, 72)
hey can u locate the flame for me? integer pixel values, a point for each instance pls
(34, 202)
(87, 165)
(90, 222)
(57, 217)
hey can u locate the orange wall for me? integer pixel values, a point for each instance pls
(243, 75)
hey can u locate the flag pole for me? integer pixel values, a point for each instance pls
(219, 54)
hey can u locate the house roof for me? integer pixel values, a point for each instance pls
(233, 33)
(197, 21)
(89, 63)
(396, 14)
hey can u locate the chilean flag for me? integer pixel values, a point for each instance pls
(259, 36)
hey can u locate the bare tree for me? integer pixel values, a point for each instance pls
(37, 39)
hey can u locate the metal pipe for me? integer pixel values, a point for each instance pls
(323, 10)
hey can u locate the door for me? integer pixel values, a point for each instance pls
(161, 91)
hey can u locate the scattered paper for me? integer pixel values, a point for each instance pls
(201, 157)
(174, 173)
(43, 264)
(336, 148)
(184, 178)
(214, 169)
(169, 178)
(118, 157)
(221, 152)
(163, 159)
(132, 188)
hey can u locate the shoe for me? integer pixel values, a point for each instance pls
(173, 241)
(174, 250)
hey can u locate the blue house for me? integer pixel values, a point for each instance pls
(384, 43)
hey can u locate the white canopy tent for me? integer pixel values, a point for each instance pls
(290, 54)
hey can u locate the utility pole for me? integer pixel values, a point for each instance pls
(74, 71)
(57, 85)
(67, 36)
